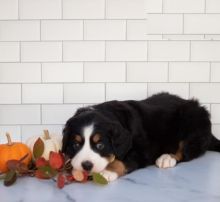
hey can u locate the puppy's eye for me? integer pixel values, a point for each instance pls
(76, 145)
(100, 146)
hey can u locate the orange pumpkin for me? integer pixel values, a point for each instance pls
(13, 151)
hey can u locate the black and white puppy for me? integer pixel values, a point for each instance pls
(118, 137)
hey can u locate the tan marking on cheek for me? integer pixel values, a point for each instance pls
(111, 158)
(96, 138)
(179, 154)
(117, 167)
(78, 138)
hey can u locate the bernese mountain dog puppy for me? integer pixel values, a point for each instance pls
(118, 137)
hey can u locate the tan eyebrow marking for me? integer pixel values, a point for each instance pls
(78, 138)
(96, 138)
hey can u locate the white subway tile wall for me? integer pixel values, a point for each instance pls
(59, 55)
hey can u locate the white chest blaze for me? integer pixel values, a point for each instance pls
(87, 154)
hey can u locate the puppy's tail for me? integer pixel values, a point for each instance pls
(214, 144)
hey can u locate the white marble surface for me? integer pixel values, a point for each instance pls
(196, 181)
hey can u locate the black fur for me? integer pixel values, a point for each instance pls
(140, 131)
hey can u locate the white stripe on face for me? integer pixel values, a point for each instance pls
(87, 154)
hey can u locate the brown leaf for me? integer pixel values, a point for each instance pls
(38, 148)
(56, 160)
(12, 164)
(22, 168)
(10, 178)
(17, 165)
(60, 181)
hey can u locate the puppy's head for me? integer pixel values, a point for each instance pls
(91, 140)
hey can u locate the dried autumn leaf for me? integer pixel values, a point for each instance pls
(12, 164)
(56, 160)
(10, 178)
(22, 168)
(41, 162)
(60, 181)
(99, 179)
(38, 148)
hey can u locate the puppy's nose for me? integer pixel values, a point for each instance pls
(87, 165)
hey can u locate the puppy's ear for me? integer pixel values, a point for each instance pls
(82, 110)
(121, 140)
(66, 135)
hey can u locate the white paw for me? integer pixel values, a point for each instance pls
(166, 161)
(109, 175)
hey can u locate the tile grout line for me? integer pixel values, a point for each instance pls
(21, 131)
(21, 93)
(63, 94)
(41, 72)
(62, 9)
(126, 30)
(162, 7)
(83, 21)
(41, 114)
(40, 30)
(148, 45)
(105, 10)
(62, 52)
(126, 72)
(183, 21)
(190, 57)
(189, 89)
(102, 82)
(83, 72)
(105, 90)
(18, 9)
(101, 61)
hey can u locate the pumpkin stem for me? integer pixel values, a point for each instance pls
(9, 139)
(46, 135)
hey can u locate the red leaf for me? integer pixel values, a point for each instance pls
(56, 160)
(70, 178)
(41, 162)
(60, 181)
(38, 149)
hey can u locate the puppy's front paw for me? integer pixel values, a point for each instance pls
(109, 175)
(166, 161)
